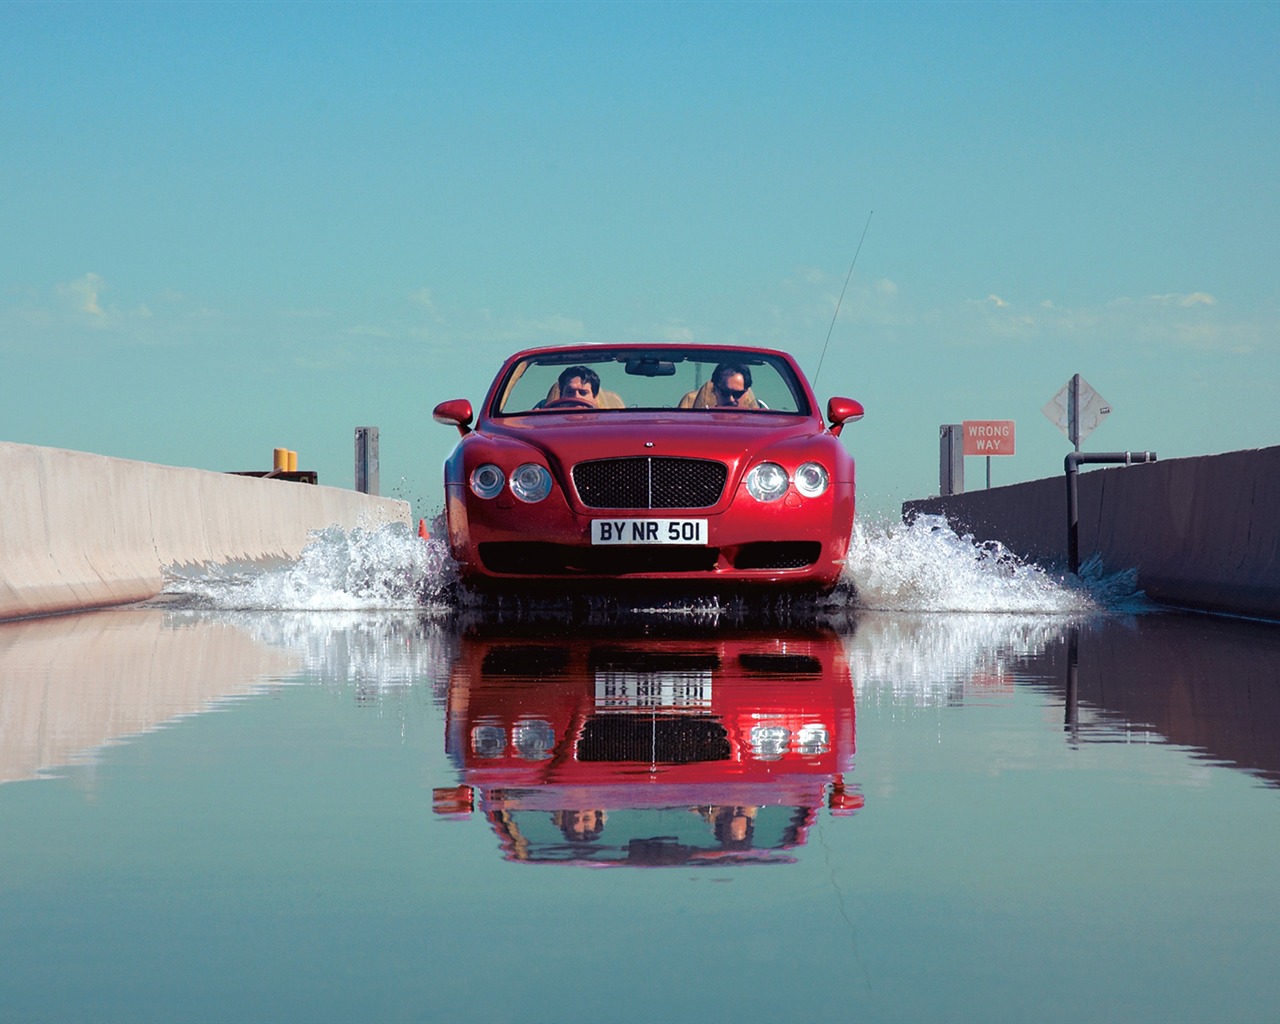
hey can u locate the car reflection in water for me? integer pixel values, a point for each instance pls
(641, 751)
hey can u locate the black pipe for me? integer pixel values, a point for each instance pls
(1072, 710)
(1073, 461)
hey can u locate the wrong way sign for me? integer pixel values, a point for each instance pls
(988, 437)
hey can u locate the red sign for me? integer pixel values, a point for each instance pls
(988, 437)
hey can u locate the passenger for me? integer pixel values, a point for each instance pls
(734, 827)
(728, 388)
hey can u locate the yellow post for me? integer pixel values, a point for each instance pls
(293, 461)
(280, 463)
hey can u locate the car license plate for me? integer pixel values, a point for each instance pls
(648, 531)
(623, 691)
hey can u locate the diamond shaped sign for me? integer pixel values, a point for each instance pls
(1079, 419)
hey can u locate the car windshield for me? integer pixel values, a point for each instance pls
(620, 380)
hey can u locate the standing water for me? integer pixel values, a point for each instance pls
(961, 787)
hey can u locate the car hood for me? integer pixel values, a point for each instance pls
(574, 437)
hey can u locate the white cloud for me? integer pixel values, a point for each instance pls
(811, 275)
(1185, 301)
(367, 331)
(1189, 321)
(83, 294)
(567, 326)
(326, 358)
(555, 325)
(423, 297)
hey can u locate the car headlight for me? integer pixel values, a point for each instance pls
(767, 482)
(531, 482)
(813, 739)
(769, 742)
(533, 739)
(487, 481)
(488, 740)
(811, 479)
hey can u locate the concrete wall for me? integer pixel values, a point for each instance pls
(1202, 533)
(76, 683)
(86, 531)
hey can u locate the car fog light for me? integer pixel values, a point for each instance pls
(488, 740)
(811, 479)
(487, 481)
(767, 482)
(769, 742)
(531, 482)
(533, 739)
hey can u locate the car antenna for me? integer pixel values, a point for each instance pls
(847, 278)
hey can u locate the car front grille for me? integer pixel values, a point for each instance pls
(778, 554)
(664, 739)
(650, 482)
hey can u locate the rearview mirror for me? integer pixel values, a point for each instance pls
(455, 413)
(651, 368)
(843, 410)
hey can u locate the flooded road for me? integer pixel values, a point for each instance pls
(213, 814)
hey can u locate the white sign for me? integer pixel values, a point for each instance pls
(648, 531)
(1090, 409)
(620, 690)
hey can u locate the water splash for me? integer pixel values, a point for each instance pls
(384, 569)
(913, 660)
(378, 651)
(924, 566)
(918, 567)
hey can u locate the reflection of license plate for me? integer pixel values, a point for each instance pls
(648, 531)
(639, 690)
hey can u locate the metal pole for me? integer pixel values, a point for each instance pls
(988, 472)
(1072, 463)
(1073, 411)
(1072, 710)
(1073, 515)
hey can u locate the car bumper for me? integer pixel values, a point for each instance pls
(790, 542)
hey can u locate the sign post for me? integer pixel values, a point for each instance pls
(988, 437)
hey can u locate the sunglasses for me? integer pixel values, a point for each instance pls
(732, 392)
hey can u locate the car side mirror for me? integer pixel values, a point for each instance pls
(456, 413)
(843, 410)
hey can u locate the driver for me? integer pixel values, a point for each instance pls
(580, 382)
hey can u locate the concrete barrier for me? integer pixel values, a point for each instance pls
(87, 531)
(1202, 533)
(74, 684)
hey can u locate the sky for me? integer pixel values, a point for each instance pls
(229, 228)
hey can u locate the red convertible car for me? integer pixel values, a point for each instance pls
(621, 749)
(695, 464)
